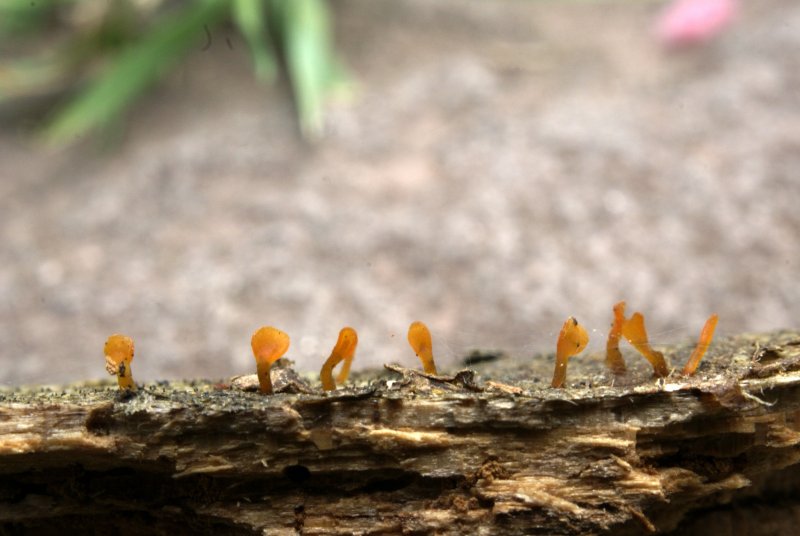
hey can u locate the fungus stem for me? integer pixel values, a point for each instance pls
(119, 354)
(702, 345)
(614, 360)
(419, 337)
(571, 341)
(634, 331)
(344, 372)
(344, 350)
(269, 344)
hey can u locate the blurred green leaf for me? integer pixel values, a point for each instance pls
(18, 16)
(120, 61)
(250, 17)
(306, 36)
(137, 67)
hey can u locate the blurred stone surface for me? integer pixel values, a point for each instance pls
(500, 167)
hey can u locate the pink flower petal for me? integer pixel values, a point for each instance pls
(686, 22)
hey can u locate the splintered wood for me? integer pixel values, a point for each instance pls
(494, 451)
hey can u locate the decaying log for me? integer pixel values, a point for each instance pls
(494, 451)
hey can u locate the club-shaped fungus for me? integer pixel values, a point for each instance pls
(419, 337)
(571, 341)
(614, 360)
(702, 345)
(119, 354)
(344, 350)
(634, 331)
(269, 344)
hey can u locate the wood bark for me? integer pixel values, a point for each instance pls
(489, 450)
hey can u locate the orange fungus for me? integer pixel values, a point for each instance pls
(571, 341)
(634, 331)
(344, 372)
(269, 344)
(344, 350)
(119, 354)
(419, 337)
(702, 345)
(614, 360)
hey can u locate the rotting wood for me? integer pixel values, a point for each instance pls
(495, 451)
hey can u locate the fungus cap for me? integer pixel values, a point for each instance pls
(633, 329)
(419, 337)
(269, 344)
(572, 339)
(119, 350)
(344, 350)
(614, 359)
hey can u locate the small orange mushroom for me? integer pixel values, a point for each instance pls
(419, 337)
(702, 345)
(119, 354)
(344, 350)
(634, 331)
(571, 341)
(269, 344)
(614, 360)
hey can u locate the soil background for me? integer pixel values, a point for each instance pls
(498, 167)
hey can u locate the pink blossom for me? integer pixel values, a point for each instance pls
(688, 22)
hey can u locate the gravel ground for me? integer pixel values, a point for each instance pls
(499, 167)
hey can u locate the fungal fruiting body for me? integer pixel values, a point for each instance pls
(344, 372)
(344, 350)
(419, 337)
(571, 341)
(269, 344)
(119, 354)
(634, 331)
(614, 360)
(702, 345)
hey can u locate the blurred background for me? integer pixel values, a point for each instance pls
(186, 171)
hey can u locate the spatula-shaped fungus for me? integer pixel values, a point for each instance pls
(119, 354)
(614, 360)
(344, 350)
(419, 337)
(634, 331)
(571, 341)
(702, 345)
(269, 344)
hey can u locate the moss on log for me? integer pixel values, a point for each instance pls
(485, 451)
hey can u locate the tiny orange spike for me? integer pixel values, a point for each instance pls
(614, 360)
(269, 344)
(634, 331)
(571, 341)
(119, 354)
(344, 350)
(419, 337)
(702, 345)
